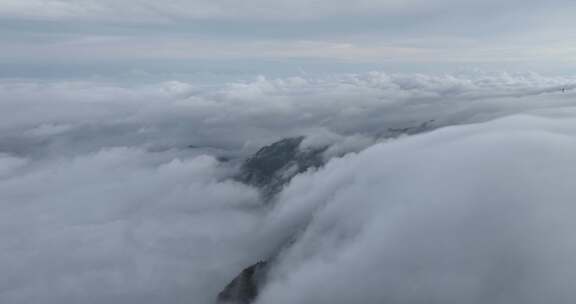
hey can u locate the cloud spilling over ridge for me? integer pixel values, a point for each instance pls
(475, 214)
(114, 194)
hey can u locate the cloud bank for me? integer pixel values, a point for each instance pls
(78, 117)
(475, 214)
(120, 226)
(115, 194)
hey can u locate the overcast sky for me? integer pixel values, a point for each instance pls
(82, 37)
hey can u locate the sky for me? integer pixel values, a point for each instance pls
(86, 38)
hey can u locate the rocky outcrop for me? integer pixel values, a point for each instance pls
(269, 170)
(421, 128)
(246, 286)
(275, 165)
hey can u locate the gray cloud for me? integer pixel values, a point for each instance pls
(123, 122)
(120, 226)
(87, 115)
(529, 33)
(475, 214)
(177, 9)
(103, 200)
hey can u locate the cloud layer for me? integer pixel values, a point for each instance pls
(114, 194)
(70, 117)
(70, 37)
(120, 226)
(475, 214)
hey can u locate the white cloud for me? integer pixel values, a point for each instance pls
(474, 214)
(121, 226)
(103, 200)
(168, 115)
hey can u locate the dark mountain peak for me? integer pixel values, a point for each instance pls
(269, 169)
(246, 286)
(274, 165)
(421, 128)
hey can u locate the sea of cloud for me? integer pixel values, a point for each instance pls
(476, 214)
(118, 194)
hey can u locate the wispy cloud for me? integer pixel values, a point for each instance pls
(441, 32)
